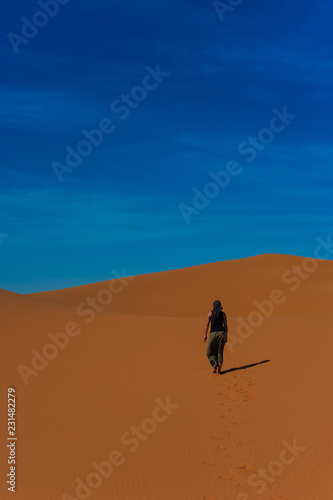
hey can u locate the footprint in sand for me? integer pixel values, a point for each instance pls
(241, 470)
(224, 478)
(207, 463)
(249, 398)
(219, 448)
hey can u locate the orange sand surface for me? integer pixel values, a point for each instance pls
(126, 406)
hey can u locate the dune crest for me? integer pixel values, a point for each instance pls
(237, 282)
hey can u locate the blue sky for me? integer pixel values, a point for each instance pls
(119, 208)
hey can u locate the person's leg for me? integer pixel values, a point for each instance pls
(221, 344)
(212, 349)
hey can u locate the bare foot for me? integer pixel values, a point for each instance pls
(215, 369)
(219, 369)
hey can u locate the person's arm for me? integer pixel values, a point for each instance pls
(207, 325)
(226, 327)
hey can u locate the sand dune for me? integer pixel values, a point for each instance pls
(187, 292)
(116, 400)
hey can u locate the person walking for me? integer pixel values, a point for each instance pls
(218, 336)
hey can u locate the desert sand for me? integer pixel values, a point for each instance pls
(115, 398)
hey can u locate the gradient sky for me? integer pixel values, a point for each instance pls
(120, 207)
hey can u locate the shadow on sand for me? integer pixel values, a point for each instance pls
(244, 367)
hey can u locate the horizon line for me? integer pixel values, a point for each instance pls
(164, 271)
